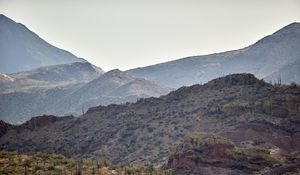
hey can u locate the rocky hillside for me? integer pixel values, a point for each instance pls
(210, 155)
(22, 50)
(274, 57)
(239, 107)
(65, 90)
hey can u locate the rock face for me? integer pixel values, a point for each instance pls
(209, 155)
(239, 107)
(23, 50)
(41, 121)
(32, 124)
(69, 89)
(4, 127)
(275, 57)
(4, 78)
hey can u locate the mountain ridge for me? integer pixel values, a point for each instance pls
(22, 49)
(265, 57)
(54, 93)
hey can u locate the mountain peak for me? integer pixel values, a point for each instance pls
(115, 71)
(294, 25)
(235, 80)
(115, 74)
(291, 28)
(17, 41)
(4, 18)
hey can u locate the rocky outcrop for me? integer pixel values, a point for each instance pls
(209, 155)
(41, 121)
(4, 127)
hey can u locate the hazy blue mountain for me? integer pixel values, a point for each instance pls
(24, 98)
(78, 71)
(21, 49)
(272, 57)
(49, 76)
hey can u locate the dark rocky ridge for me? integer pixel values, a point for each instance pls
(4, 127)
(239, 107)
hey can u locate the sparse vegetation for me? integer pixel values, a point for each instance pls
(45, 164)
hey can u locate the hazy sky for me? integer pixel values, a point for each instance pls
(133, 33)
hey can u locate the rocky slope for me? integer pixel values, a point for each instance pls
(65, 90)
(272, 58)
(239, 107)
(210, 155)
(22, 50)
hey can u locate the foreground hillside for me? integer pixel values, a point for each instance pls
(210, 154)
(239, 107)
(272, 58)
(44, 164)
(22, 50)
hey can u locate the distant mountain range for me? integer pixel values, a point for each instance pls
(22, 50)
(42, 79)
(49, 76)
(68, 89)
(273, 58)
(72, 87)
(247, 111)
(76, 72)
(233, 124)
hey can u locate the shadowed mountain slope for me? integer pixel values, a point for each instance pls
(23, 50)
(274, 57)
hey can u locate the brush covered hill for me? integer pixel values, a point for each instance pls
(240, 107)
(23, 50)
(45, 164)
(274, 57)
(69, 89)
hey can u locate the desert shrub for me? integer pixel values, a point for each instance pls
(235, 107)
(251, 155)
(46, 166)
(199, 142)
(258, 142)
